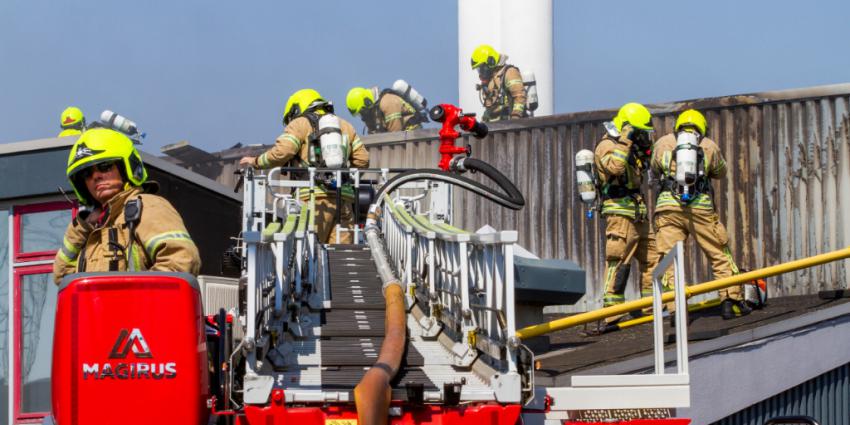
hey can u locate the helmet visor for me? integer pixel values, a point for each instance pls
(101, 167)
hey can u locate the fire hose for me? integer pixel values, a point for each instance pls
(373, 393)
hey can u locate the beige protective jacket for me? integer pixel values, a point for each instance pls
(396, 113)
(612, 163)
(504, 95)
(294, 142)
(393, 114)
(98, 245)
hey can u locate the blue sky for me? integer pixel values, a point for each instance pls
(218, 73)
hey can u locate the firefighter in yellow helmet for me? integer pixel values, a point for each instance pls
(72, 121)
(121, 227)
(383, 112)
(300, 118)
(621, 158)
(685, 204)
(501, 90)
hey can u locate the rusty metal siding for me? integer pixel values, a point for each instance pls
(786, 195)
(825, 398)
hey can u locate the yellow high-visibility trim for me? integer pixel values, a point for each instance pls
(394, 116)
(154, 243)
(294, 140)
(263, 161)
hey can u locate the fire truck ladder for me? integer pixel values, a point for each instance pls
(314, 314)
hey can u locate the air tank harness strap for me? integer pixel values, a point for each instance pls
(615, 192)
(132, 216)
(702, 185)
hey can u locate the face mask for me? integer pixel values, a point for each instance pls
(643, 140)
(485, 73)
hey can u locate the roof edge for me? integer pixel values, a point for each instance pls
(659, 109)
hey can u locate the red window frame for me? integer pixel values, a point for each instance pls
(18, 211)
(20, 272)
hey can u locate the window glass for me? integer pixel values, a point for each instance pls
(4, 316)
(38, 306)
(43, 231)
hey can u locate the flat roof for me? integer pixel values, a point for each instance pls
(631, 350)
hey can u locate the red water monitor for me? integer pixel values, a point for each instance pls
(451, 116)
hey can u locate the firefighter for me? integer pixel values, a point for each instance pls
(73, 122)
(390, 112)
(121, 227)
(621, 158)
(685, 209)
(300, 118)
(501, 91)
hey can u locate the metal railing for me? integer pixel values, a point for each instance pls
(281, 263)
(463, 281)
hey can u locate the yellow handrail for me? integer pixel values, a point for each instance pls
(592, 316)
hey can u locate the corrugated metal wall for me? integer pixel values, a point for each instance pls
(787, 194)
(825, 398)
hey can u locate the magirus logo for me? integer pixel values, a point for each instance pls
(130, 340)
(136, 342)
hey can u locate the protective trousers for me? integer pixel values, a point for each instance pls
(326, 221)
(711, 236)
(625, 239)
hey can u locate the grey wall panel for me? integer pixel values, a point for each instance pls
(825, 398)
(786, 195)
(33, 173)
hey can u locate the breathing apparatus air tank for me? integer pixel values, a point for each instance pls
(330, 140)
(410, 94)
(585, 178)
(530, 84)
(686, 163)
(118, 122)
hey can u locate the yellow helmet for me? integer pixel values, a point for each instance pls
(635, 114)
(359, 98)
(692, 118)
(484, 54)
(302, 101)
(72, 117)
(103, 145)
(69, 132)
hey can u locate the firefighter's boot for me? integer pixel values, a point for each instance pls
(730, 309)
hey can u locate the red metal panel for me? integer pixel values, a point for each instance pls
(130, 348)
(277, 413)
